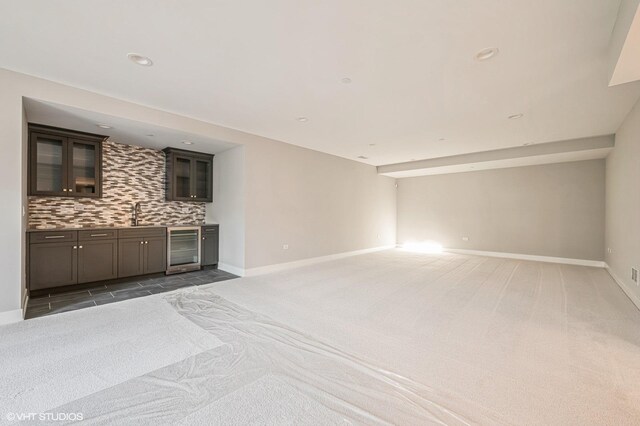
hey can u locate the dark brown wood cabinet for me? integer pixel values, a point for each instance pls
(97, 260)
(64, 163)
(130, 257)
(62, 258)
(53, 264)
(155, 255)
(210, 243)
(142, 251)
(189, 176)
(68, 257)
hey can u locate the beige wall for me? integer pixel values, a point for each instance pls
(11, 194)
(344, 207)
(228, 207)
(552, 210)
(623, 204)
(316, 203)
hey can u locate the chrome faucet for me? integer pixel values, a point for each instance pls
(136, 211)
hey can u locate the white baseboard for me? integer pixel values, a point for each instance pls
(231, 269)
(9, 317)
(310, 261)
(549, 259)
(634, 298)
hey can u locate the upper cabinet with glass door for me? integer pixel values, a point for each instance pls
(189, 176)
(64, 163)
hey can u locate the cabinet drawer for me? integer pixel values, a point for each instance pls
(52, 236)
(98, 234)
(142, 232)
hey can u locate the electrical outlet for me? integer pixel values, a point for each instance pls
(465, 238)
(634, 275)
(609, 250)
(285, 247)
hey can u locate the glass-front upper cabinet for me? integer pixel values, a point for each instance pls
(183, 178)
(189, 176)
(48, 164)
(203, 178)
(64, 163)
(84, 173)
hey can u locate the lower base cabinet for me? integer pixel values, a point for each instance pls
(139, 256)
(142, 251)
(209, 248)
(97, 260)
(53, 265)
(155, 255)
(58, 259)
(63, 258)
(130, 261)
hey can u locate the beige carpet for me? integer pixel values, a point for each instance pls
(529, 342)
(388, 337)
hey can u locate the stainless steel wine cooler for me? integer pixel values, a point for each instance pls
(183, 249)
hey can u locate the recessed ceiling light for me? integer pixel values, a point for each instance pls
(372, 144)
(302, 119)
(441, 140)
(103, 126)
(487, 53)
(346, 80)
(140, 60)
(363, 157)
(151, 135)
(515, 116)
(187, 142)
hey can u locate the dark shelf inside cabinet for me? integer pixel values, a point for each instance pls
(64, 163)
(189, 176)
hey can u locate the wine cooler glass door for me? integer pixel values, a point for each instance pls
(184, 247)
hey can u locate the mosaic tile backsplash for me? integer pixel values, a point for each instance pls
(130, 174)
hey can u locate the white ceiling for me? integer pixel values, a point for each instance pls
(122, 130)
(257, 65)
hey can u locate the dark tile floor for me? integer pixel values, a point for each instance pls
(49, 304)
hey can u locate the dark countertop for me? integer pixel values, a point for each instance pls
(93, 228)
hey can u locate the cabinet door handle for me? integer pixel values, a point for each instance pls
(64, 189)
(99, 235)
(204, 238)
(52, 237)
(146, 242)
(70, 190)
(141, 242)
(75, 247)
(80, 247)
